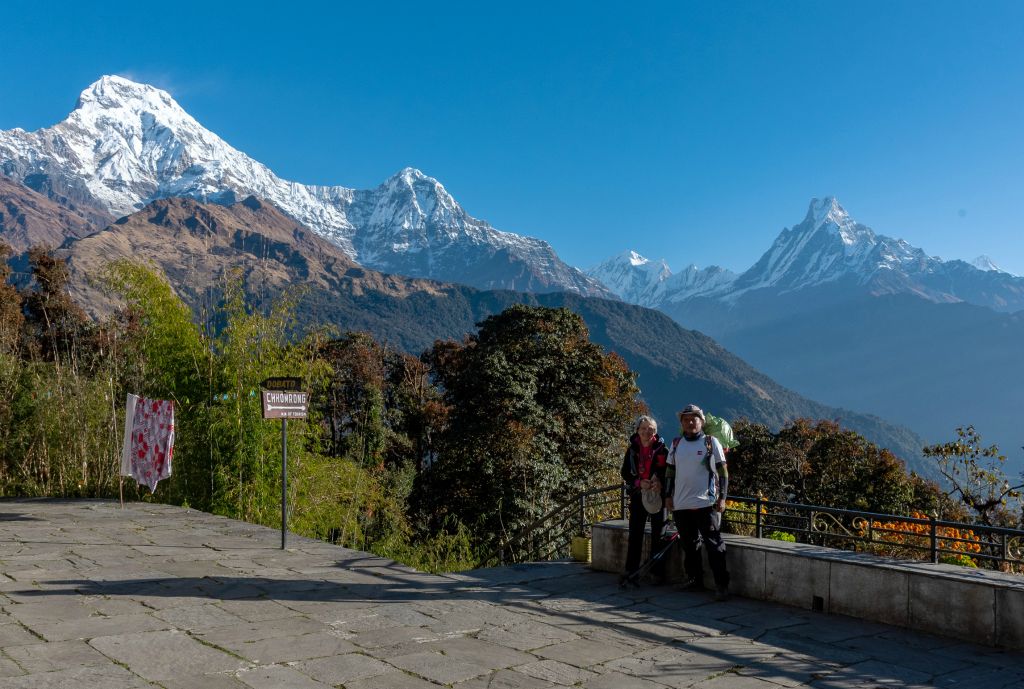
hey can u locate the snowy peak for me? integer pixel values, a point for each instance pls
(636, 260)
(986, 264)
(424, 194)
(411, 225)
(632, 277)
(830, 247)
(117, 93)
(128, 144)
(631, 258)
(827, 214)
(639, 280)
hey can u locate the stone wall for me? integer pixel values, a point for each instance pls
(975, 605)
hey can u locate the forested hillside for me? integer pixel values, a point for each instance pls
(196, 245)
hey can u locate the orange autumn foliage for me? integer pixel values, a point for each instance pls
(955, 544)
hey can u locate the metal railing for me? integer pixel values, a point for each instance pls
(549, 537)
(922, 538)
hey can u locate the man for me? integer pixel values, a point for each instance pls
(698, 481)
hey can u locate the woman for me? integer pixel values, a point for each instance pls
(643, 468)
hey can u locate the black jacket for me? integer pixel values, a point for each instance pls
(631, 463)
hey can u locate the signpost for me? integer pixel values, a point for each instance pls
(283, 400)
(284, 405)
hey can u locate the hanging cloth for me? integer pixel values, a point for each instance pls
(148, 440)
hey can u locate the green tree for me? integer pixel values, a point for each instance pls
(11, 318)
(760, 464)
(227, 458)
(820, 463)
(11, 323)
(848, 471)
(416, 411)
(354, 404)
(157, 351)
(537, 412)
(56, 328)
(57, 436)
(976, 478)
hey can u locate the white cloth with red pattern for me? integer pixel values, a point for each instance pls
(148, 440)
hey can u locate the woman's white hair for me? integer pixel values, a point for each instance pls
(648, 419)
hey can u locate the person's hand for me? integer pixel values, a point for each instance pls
(655, 484)
(668, 504)
(645, 484)
(719, 505)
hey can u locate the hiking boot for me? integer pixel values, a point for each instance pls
(722, 594)
(691, 584)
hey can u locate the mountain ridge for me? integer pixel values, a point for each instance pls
(193, 244)
(127, 144)
(860, 320)
(828, 245)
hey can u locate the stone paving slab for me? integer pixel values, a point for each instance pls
(154, 596)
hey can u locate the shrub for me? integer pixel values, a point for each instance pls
(912, 540)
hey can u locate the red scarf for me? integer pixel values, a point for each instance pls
(646, 463)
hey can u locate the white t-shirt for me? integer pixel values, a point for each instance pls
(695, 486)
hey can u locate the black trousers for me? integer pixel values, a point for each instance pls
(638, 516)
(696, 526)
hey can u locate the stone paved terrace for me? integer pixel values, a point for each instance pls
(96, 597)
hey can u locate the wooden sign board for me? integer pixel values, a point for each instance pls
(284, 405)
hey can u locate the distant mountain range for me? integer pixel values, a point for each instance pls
(828, 247)
(860, 320)
(126, 144)
(196, 244)
(823, 308)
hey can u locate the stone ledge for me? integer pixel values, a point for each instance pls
(975, 605)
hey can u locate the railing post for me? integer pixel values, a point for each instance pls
(583, 514)
(757, 515)
(933, 532)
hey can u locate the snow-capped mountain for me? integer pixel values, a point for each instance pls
(411, 225)
(985, 263)
(831, 247)
(126, 144)
(639, 280)
(864, 321)
(632, 277)
(827, 246)
(827, 249)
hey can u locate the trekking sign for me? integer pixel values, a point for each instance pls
(283, 399)
(284, 405)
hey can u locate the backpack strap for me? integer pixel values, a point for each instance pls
(712, 467)
(670, 470)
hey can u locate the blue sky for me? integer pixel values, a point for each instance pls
(693, 131)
